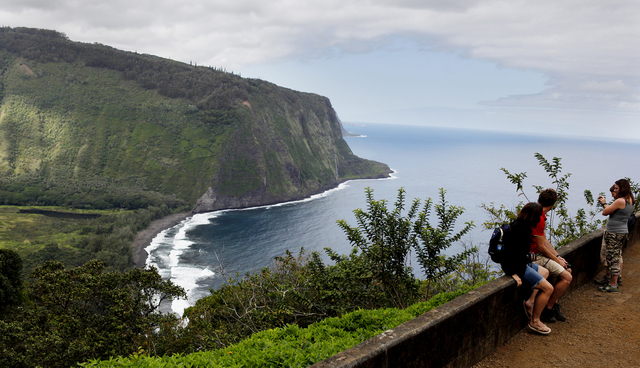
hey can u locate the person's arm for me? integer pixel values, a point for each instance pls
(545, 248)
(619, 203)
(549, 247)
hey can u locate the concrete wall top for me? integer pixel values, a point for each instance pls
(465, 330)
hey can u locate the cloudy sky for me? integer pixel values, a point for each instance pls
(546, 66)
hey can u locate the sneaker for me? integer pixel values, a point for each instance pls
(556, 313)
(603, 280)
(608, 289)
(547, 316)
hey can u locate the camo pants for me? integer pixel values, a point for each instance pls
(611, 251)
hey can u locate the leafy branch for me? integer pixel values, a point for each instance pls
(568, 227)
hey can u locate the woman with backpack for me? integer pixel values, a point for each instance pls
(617, 231)
(517, 262)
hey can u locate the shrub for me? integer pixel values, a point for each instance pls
(568, 227)
(302, 290)
(291, 346)
(84, 313)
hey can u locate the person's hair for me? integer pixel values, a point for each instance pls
(613, 187)
(548, 197)
(624, 190)
(531, 213)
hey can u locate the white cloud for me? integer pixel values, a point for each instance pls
(586, 48)
(615, 86)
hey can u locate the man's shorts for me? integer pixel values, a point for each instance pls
(554, 267)
(531, 275)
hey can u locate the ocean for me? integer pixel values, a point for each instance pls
(200, 251)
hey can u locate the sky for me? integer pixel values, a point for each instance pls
(566, 67)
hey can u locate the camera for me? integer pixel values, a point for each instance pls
(568, 265)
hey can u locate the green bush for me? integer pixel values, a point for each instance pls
(11, 288)
(291, 346)
(84, 313)
(385, 238)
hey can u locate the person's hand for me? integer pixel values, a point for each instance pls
(517, 278)
(562, 262)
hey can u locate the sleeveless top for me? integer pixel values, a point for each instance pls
(618, 219)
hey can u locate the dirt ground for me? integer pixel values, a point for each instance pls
(602, 330)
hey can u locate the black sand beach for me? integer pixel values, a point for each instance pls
(144, 237)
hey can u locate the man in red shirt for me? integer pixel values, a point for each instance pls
(547, 257)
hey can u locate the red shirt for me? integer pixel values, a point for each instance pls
(538, 230)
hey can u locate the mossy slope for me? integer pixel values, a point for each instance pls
(86, 116)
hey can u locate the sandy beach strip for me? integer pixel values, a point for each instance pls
(144, 237)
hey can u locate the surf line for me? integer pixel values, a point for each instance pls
(176, 242)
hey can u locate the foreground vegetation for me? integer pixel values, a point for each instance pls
(295, 313)
(88, 313)
(292, 346)
(69, 316)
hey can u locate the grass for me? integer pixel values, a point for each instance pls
(27, 233)
(73, 242)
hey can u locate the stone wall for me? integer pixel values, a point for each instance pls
(465, 330)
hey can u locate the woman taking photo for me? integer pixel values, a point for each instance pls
(518, 263)
(616, 233)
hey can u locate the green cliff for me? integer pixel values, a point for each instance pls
(86, 118)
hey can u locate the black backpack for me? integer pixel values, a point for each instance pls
(631, 222)
(496, 243)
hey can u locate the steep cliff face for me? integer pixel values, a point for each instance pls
(81, 118)
(288, 146)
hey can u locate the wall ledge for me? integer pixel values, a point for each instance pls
(463, 331)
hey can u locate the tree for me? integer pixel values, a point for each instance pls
(385, 238)
(435, 239)
(568, 227)
(375, 274)
(82, 313)
(11, 289)
(272, 297)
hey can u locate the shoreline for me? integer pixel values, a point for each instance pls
(143, 238)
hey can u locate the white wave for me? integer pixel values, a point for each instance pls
(163, 238)
(187, 276)
(178, 306)
(158, 259)
(169, 265)
(326, 193)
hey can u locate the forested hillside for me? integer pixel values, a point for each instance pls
(89, 126)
